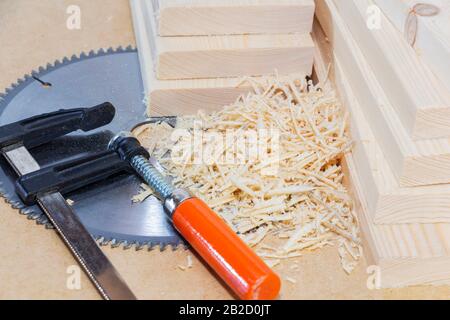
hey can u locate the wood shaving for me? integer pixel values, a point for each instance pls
(287, 202)
(144, 193)
(291, 280)
(182, 268)
(190, 264)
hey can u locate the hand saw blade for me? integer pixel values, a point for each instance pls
(105, 208)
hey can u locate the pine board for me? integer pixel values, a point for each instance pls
(387, 202)
(414, 163)
(433, 33)
(179, 97)
(404, 254)
(218, 17)
(421, 101)
(200, 57)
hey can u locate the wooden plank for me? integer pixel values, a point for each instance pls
(387, 202)
(179, 97)
(202, 57)
(433, 33)
(420, 100)
(404, 259)
(218, 17)
(406, 267)
(414, 163)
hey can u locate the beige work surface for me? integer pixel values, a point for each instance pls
(34, 262)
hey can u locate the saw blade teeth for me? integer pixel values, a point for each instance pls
(49, 226)
(127, 245)
(139, 246)
(65, 60)
(15, 204)
(117, 243)
(105, 242)
(101, 51)
(83, 55)
(57, 63)
(33, 217)
(41, 220)
(26, 211)
(129, 48)
(110, 50)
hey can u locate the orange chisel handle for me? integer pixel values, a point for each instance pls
(243, 271)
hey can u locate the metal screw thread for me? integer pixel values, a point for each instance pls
(152, 177)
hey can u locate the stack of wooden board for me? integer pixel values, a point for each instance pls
(399, 167)
(194, 53)
(430, 29)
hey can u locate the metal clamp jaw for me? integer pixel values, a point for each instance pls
(44, 185)
(66, 176)
(70, 175)
(39, 130)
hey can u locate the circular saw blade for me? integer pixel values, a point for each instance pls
(105, 208)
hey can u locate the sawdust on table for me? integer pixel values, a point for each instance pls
(287, 198)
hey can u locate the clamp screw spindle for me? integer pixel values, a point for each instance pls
(152, 176)
(131, 150)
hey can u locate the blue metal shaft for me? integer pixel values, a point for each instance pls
(152, 177)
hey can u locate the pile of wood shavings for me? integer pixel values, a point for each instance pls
(304, 205)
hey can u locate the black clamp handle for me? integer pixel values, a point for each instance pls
(38, 130)
(70, 175)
